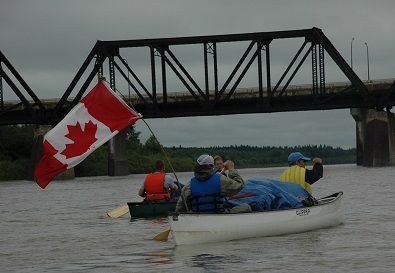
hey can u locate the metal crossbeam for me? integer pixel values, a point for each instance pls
(210, 95)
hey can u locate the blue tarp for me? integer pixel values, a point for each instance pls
(270, 194)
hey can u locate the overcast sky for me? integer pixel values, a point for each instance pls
(48, 40)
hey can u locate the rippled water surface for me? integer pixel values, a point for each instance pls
(64, 228)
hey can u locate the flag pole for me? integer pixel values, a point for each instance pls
(168, 160)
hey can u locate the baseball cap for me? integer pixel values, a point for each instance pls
(293, 157)
(205, 159)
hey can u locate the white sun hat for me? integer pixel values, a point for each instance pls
(205, 160)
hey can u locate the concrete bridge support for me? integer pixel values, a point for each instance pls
(118, 155)
(37, 153)
(375, 137)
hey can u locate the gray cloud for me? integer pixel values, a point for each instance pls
(47, 41)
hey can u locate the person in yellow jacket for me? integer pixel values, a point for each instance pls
(297, 172)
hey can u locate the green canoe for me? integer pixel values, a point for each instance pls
(151, 209)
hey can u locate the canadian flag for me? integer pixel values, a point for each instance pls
(98, 117)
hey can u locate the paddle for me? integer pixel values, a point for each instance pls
(222, 171)
(162, 236)
(165, 234)
(118, 212)
(242, 195)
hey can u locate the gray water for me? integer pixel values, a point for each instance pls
(64, 228)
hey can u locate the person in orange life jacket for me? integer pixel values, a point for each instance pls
(157, 185)
(206, 181)
(218, 164)
(297, 172)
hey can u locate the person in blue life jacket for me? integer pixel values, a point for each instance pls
(205, 191)
(297, 172)
(218, 165)
(157, 185)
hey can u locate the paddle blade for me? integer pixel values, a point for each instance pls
(162, 236)
(118, 212)
(242, 195)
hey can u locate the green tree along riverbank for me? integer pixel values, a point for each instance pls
(16, 145)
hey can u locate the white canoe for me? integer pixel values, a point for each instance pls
(192, 228)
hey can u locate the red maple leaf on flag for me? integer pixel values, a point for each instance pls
(83, 140)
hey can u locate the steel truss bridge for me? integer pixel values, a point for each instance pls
(214, 90)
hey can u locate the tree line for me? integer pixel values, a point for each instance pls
(16, 146)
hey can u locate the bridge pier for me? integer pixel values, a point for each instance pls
(37, 153)
(118, 164)
(375, 137)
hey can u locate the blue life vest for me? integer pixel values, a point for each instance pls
(207, 194)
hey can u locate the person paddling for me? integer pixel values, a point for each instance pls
(205, 191)
(157, 185)
(219, 165)
(297, 172)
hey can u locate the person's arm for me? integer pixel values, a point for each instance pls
(170, 182)
(232, 184)
(175, 188)
(182, 201)
(316, 173)
(142, 190)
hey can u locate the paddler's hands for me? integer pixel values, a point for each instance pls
(229, 165)
(317, 160)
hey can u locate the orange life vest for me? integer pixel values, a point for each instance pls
(154, 187)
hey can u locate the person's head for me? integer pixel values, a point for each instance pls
(296, 158)
(205, 159)
(218, 162)
(159, 165)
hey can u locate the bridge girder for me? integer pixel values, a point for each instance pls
(219, 101)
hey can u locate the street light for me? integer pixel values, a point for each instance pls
(351, 51)
(367, 57)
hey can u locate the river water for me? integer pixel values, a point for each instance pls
(64, 228)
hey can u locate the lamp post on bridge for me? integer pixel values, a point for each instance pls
(351, 51)
(367, 57)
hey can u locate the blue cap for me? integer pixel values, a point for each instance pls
(293, 157)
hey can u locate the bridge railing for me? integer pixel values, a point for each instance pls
(248, 92)
(253, 92)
